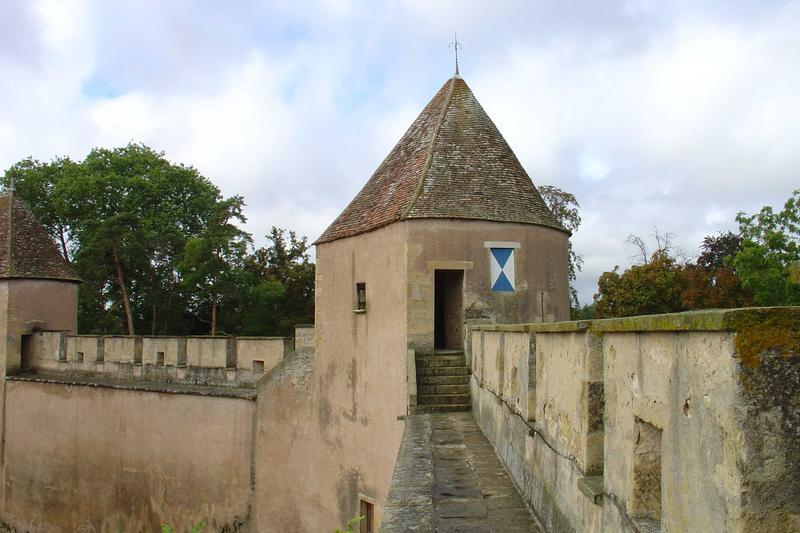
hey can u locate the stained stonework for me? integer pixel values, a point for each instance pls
(646, 489)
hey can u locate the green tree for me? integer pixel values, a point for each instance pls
(213, 265)
(650, 288)
(264, 313)
(284, 261)
(123, 216)
(564, 207)
(770, 243)
(584, 312)
(36, 180)
(660, 283)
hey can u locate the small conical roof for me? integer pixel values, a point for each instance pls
(26, 250)
(451, 163)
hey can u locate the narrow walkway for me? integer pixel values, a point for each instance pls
(447, 478)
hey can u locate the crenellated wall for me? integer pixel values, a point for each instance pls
(109, 433)
(685, 422)
(211, 361)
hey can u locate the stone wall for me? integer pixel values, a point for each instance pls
(685, 422)
(541, 286)
(128, 433)
(209, 361)
(87, 458)
(333, 439)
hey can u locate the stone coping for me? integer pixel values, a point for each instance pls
(144, 386)
(219, 337)
(704, 320)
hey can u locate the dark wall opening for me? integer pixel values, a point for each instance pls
(448, 310)
(26, 352)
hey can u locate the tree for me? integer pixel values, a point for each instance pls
(711, 283)
(285, 262)
(35, 180)
(661, 283)
(770, 243)
(213, 265)
(645, 289)
(123, 216)
(717, 249)
(564, 207)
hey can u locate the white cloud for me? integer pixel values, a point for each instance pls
(592, 167)
(670, 115)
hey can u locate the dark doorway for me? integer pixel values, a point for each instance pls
(448, 310)
(26, 352)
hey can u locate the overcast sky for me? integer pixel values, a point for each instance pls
(673, 115)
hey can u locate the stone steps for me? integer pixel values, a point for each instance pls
(438, 361)
(443, 380)
(442, 371)
(442, 389)
(442, 383)
(442, 399)
(422, 409)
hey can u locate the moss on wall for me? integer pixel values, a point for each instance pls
(766, 332)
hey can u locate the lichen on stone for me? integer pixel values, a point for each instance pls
(766, 332)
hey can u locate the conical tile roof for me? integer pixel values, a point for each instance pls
(26, 250)
(451, 163)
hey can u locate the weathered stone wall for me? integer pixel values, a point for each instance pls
(339, 433)
(86, 458)
(542, 287)
(213, 361)
(683, 422)
(124, 434)
(304, 336)
(26, 306)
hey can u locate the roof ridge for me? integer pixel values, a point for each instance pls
(434, 137)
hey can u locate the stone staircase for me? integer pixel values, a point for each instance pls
(442, 383)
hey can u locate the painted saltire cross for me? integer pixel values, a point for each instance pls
(501, 267)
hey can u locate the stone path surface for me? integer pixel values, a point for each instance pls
(448, 479)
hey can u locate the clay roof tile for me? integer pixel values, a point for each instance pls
(451, 163)
(26, 250)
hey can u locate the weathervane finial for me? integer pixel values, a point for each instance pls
(456, 45)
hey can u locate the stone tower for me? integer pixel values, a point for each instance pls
(449, 229)
(38, 288)
(476, 239)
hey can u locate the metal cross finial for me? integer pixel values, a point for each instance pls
(456, 45)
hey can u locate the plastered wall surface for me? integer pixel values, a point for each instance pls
(666, 423)
(28, 305)
(269, 351)
(685, 385)
(212, 361)
(542, 289)
(341, 436)
(304, 336)
(35, 305)
(99, 459)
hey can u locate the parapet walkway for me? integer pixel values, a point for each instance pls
(448, 479)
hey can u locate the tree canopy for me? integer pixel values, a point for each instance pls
(770, 244)
(661, 283)
(158, 247)
(759, 266)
